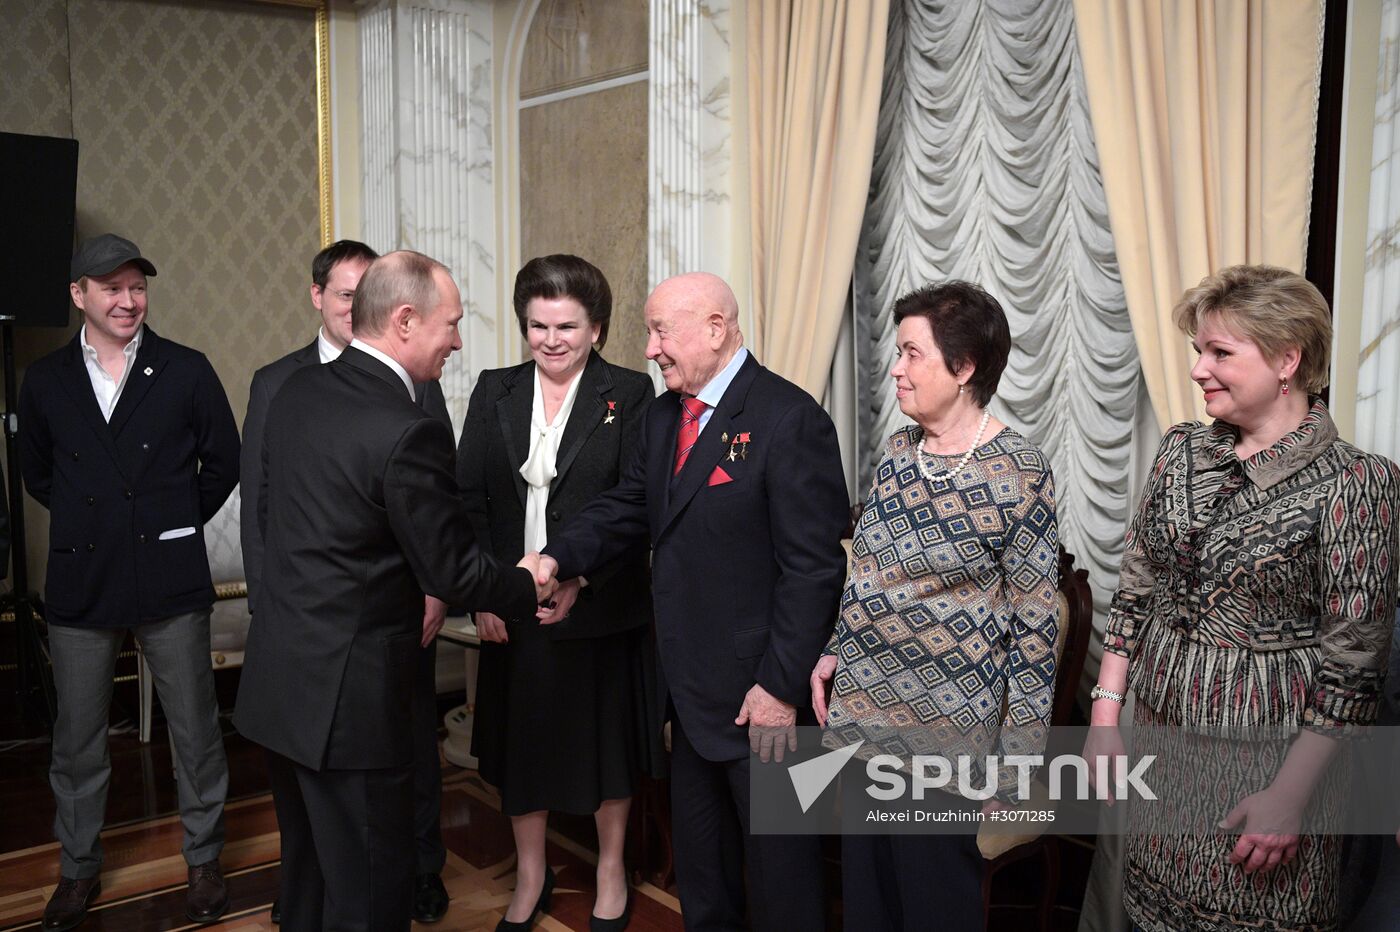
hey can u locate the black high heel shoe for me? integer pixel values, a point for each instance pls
(613, 925)
(541, 905)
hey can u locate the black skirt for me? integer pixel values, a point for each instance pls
(563, 725)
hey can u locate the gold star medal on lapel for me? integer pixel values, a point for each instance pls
(612, 413)
(738, 447)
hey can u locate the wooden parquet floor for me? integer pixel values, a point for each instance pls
(143, 881)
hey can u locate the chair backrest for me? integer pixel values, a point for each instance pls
(1072, 640)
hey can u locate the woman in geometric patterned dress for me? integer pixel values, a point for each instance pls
(1257, 591)
(948, 622)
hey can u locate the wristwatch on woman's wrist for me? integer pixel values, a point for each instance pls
(1098, 692)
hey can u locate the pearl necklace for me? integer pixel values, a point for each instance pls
(966, 457)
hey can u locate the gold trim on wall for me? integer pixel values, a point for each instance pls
(323, 108)
(323, 120)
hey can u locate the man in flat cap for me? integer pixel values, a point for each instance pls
(129, 441)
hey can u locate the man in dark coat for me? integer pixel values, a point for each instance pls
(128, 440)
(360, 516)
(738, 487)
(335, 274)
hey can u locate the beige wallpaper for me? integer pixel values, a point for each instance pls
(196, 122)
(583, 189)
(575, 42)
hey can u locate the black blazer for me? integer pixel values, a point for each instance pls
(747, 574)
(360, 517)
(167, 460)
(267, 382)
(495, 443)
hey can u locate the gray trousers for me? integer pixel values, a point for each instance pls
(84, 660)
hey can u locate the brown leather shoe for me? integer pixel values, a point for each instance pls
(69, 903)
(208, 898)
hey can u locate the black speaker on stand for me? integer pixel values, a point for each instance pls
(38, 196)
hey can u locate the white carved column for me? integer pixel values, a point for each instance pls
(690, 197)
(426, 118)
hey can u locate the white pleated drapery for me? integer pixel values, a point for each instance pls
(986, 170)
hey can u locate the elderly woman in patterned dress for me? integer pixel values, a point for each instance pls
(1257, 590)
(948, 621)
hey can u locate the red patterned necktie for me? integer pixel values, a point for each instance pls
(691, 409)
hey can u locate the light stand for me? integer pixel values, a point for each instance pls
(35, 678)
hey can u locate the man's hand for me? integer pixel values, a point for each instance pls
(821, 685)
(564, 598)
(434, 614)
(772, 723)
(491, 628)
(543, 568)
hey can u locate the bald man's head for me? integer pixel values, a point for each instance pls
(692, 329)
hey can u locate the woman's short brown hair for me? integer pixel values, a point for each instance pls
(1272, 307)
(565, 276)
(969, 327)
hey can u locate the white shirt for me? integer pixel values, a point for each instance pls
(538, 469)
(107, 389)
(389, 361)
(714, 389)
(325, 349)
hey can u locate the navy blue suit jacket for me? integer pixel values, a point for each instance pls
(746, 574)
(167, 460)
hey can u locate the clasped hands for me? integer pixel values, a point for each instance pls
(555, 598)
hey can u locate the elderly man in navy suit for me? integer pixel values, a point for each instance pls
(335, 274)
(738, 487)
(128, 440)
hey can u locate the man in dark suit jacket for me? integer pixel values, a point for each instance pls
(335, 274)
(360, 516)
(128, 440)
(739, 488)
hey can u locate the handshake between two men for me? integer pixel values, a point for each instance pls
(555, 598)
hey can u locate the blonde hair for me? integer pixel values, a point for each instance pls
(1273, 308)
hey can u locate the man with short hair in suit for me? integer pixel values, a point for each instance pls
(335, 274)
(360, 516)
(128, 440)
(738, 487)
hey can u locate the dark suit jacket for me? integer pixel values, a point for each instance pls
(360, 516)
(747, 575)
(495, 443)
(167, 460)
(267, 382)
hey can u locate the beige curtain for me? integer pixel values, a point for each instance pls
(814, 69)
(1204, 112)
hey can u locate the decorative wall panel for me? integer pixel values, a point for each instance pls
(34, 68)
(577, 42)
(583, 190)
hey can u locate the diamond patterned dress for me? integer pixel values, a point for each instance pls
(947, 628)
(1253, 593)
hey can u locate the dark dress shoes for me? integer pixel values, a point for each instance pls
(616, 924)
(276, 914)
(207, 898)
(429, 898)
(541, 905)
(69, 903)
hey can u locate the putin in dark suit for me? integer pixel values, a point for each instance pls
(335, 274)
(127, 439)
(360, 517)
(737, 485)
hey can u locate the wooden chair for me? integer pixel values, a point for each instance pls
(1001, 848)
